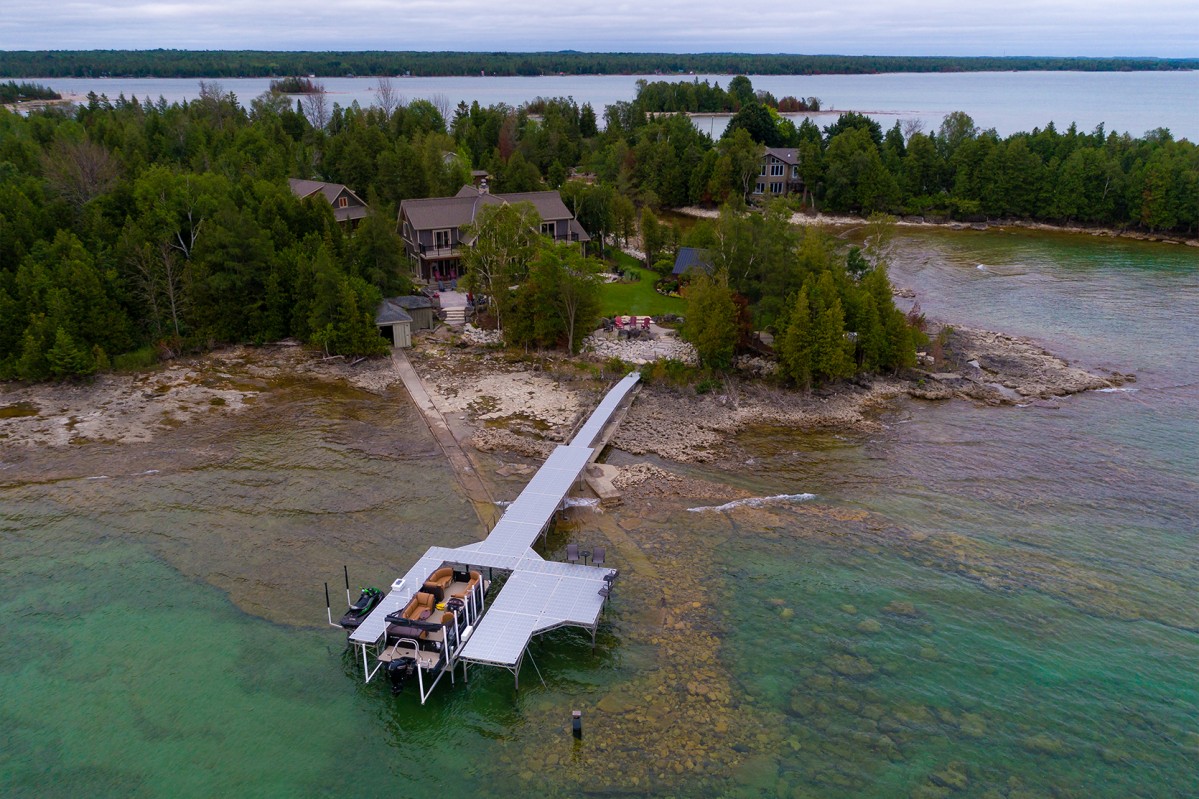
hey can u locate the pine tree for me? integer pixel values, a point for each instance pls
(832, 352)
(795, 346)
(66, 358)
(872, 339)
(711, 324)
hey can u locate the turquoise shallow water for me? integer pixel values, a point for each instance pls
(977, 602)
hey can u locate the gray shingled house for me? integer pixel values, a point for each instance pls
(431, 228)
(348, 207)
(779, 173)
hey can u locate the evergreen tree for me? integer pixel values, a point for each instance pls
(711, 324)
(832, 352)
(795, 345)
(68, 359)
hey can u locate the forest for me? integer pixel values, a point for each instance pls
(134, 230)
(13, 92)
(703, 97)
(265, 63)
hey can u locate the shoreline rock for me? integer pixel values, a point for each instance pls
(846, 220)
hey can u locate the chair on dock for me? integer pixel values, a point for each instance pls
(572, 553)
(597, 556)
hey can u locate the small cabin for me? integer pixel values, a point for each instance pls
(394, 323)
(420, 308)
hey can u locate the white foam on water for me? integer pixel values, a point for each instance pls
(97, 477)
(1116, 390)
(755, 502)
(148, 471)
(582, 502)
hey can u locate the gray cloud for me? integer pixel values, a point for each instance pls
(990, 27)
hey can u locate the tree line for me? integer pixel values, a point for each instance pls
(13, 92)
(698, 96)
(958, 171)
(132, 229)
(830, 308)
(265, 63)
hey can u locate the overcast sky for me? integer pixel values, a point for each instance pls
(1167, 28)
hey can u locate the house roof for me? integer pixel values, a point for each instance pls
(784, 154)
(390, 313)
(690, 258)
(330, 191)
(436, 213)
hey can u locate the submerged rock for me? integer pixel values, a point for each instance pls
(972, 725)
(905, 609)
(851, 666)
(1043, 744)
(953, 777)
(870, 626)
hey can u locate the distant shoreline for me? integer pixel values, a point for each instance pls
(217, 64)
(848, 220)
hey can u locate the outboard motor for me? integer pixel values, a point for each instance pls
(399, 671)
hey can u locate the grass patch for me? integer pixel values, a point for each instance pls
(134, 361)
(637, 298)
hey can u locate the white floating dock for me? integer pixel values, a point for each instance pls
(539, 595)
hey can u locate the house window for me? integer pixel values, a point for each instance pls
(441, 239)
(763, 172)
(343, 202)
(776, 187)
(759, 188)
(549, 229)
(776, 170)
(795, 171)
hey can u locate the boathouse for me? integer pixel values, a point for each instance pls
(394, 323)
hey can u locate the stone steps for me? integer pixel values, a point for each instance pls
(455, 317)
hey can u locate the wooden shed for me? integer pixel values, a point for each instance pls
(420, 308)
(394, 323)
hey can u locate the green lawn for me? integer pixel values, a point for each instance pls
(637, 298)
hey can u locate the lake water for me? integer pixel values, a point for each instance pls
(996, 599)
(1007, 101)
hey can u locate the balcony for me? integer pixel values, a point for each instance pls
(427, 251)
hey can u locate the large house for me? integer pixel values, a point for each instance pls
(348, 207)
(780, 172)
(432, 228)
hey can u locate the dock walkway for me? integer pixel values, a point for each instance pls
(539, 595)
(462, 464)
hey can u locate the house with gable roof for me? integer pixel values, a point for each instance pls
(348, 207)
(431, 228)
(779, 174)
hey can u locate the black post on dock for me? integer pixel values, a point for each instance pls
(576, 724)
(346, 569)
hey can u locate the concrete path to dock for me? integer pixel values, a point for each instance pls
(464, 467)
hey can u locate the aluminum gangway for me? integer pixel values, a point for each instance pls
(539, 595)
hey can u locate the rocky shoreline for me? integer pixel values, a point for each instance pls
(847, 220)
(127, 408)
(527, 405)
